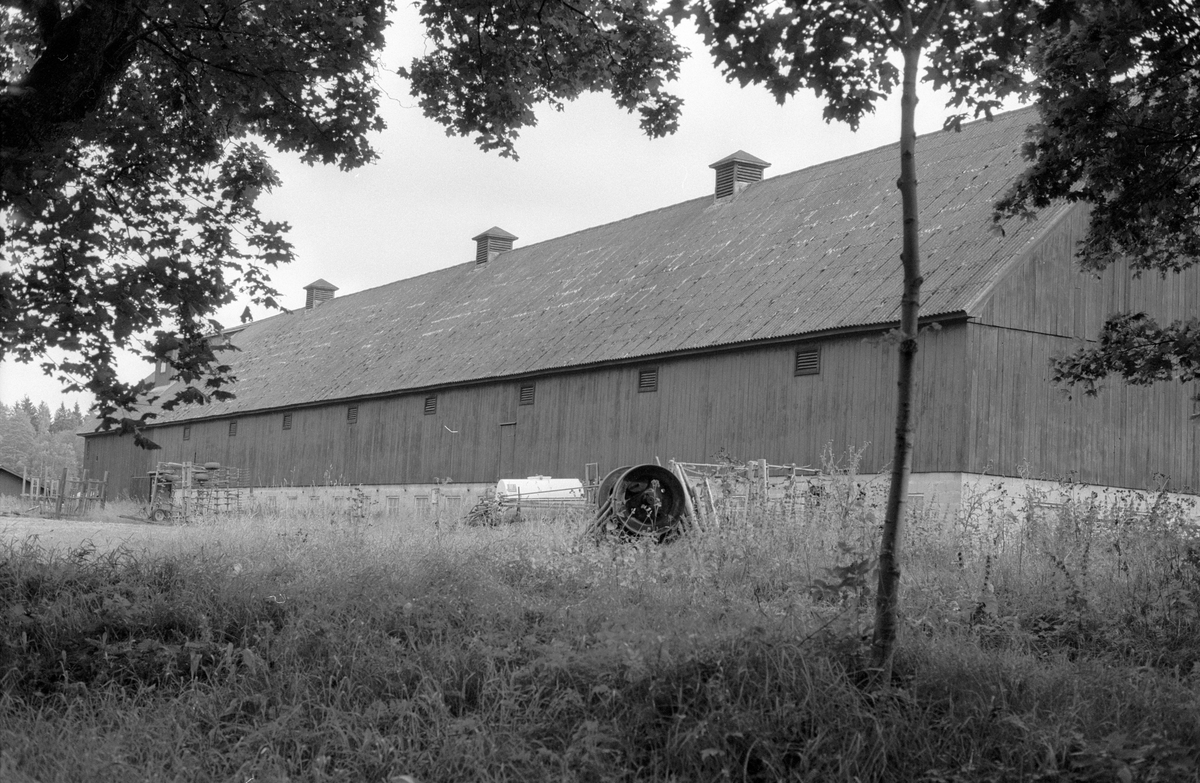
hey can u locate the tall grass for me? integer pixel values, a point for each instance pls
(322, 647)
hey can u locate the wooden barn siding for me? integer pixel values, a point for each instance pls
(1045, 291)
(747, 403)
(10, 483)
(1041, 308)
(1022, 422)
(126, 464)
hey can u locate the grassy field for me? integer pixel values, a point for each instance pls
(1036, 646)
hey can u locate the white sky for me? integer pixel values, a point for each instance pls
(417, 207)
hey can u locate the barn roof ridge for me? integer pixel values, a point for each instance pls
(804, 252)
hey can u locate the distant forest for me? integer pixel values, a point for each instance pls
(38, 441)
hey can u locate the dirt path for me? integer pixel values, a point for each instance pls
(67, 534)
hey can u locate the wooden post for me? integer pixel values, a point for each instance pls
(764, 484)
(712, 504)
(81, 501)
(62, 490)
(688, 506)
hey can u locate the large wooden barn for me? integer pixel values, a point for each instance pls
(745, 321)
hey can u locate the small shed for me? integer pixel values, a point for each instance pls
(10, 482)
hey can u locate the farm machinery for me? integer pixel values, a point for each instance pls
(657, 503)
(662, 503)
(180, 490)
(642, 501)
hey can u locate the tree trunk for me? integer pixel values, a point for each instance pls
(85, 52)
(886, 599)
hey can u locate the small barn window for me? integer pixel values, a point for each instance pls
(526, 396)
(648, 379)
(352, 414)
(431, 405)
(287, 421)
(808, 361)
(187, 433)
(232, 428)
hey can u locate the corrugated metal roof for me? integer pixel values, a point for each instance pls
(805, 252)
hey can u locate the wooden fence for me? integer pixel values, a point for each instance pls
(63, 496)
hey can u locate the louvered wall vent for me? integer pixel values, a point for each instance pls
(319, 290)
(526, 396)
(808, 361)
(492, 243)
(352, 414)
(232, 428)
(648, 379)
(187, 433)
(431, 405)
(287, 421)
(736, 172)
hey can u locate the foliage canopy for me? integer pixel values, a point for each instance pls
(132, 148)
(1118, 85)
(491, 64)
(130, 167)
(132, 136)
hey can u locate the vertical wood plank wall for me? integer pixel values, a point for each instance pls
(1045, 291)
(1022, 423)
(985, 403)
(747, 403)
(1046, 307)
(126, 464)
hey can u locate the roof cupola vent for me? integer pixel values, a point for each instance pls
(318, 291)
(492, 243)
(736, 172)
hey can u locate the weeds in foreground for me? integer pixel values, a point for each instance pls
(1036, 647)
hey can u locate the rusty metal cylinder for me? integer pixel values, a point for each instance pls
(643, 501)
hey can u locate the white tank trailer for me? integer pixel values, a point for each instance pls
(540, 492)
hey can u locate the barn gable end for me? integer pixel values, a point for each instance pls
(1042, 306)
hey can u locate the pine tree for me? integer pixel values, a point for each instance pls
(43, 419)
(26, 406)
(62, 419)
(16, 439)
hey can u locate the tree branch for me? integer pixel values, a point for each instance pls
(87, 52)
(927, 25)
(882, 18)
(46, 12)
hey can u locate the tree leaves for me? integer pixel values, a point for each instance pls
(1136, 348)
(1118, 83)
(130, 175)
(844, 51)
(1119, 87)
(38, 442)
(492, 64)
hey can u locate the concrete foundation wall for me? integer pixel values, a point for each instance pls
(429, 501)
(967, 492)
(932, 493)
